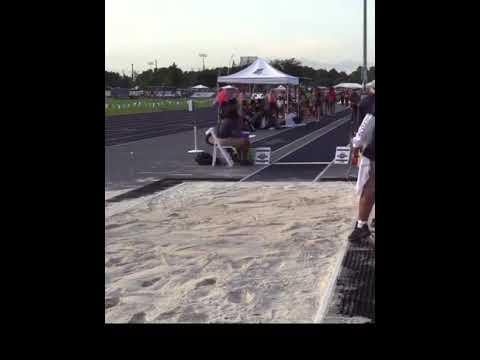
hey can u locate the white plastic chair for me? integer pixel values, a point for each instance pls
(221, 148)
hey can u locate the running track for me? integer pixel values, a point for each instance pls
(132, 127)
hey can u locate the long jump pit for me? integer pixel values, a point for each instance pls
(222, 252)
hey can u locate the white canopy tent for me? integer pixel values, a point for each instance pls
(371, 84)
(200, 87)
(349, 86)
(280, 89)
(260, 73)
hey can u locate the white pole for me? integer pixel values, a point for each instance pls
(196, 150)
(195, 134)
(365, 73)
(298, 99)
(218, 104)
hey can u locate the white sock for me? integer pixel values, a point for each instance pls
(360, 223)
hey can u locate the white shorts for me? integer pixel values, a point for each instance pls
(366, 171)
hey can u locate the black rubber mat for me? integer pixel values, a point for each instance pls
(354, 296)
(322, 149)
(146, 190)
(274, 172)
(286, 137)
(353, 174)
(160, 186)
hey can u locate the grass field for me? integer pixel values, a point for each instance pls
(132, 106)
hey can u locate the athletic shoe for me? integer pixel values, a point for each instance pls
(359, 233)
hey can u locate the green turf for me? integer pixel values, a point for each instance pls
(131, 106)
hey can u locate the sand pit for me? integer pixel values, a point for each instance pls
(223, 252)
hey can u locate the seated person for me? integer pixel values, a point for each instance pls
(229, 131)
(257, 115)
(280, 104)
(247, 114)
(271, 111)
(307, 109)
(292, 119)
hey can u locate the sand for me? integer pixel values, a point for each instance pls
(222, 252)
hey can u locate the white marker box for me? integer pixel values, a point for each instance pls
(262, 155)
(342, 155)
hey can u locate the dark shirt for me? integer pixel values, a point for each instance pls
(369, 151)
(367, 106)
(354, 98)
(229, 127)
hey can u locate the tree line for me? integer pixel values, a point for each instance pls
(173, 76)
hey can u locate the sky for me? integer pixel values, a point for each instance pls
(320, 33)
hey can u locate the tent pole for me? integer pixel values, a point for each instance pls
(298, 99)
(218, 105)
(288, 90)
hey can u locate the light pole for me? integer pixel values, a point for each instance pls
(365, 73)
(151, 63)
(230, 63)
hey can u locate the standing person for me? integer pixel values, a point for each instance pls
(301, 104)
(332, 99)
(280, 105)
(364, 141)
(241, 97)
(311, 104)
(229, 130)
(306, 102)
(321, 102)
(354, 103)
(326, 105)
(318, 103)
(271, 109)
(220, 100)
(342, 97)
(347, 97)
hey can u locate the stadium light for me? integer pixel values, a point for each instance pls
(203, 56)
(151, 63)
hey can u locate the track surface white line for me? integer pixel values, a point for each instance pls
(301, 163)
(328, 293)
(323, 132)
